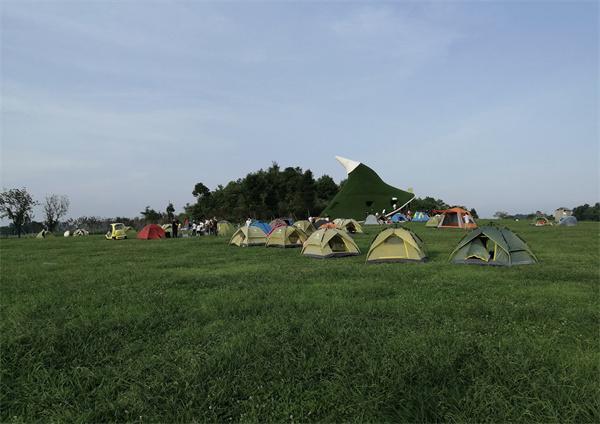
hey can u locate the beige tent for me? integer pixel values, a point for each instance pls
(67, 233)
(328, 243)
(225, 228)
(396, 245)
(286, 236)
(44, 234)
(80, 232)
(350, 225)
(434, 221)
(248, 236)
(305, 226)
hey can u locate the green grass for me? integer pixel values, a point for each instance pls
(194, 330)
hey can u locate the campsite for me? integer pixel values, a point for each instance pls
(293, 211)
(198, 330)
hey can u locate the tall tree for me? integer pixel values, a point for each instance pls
(170, 211)
(17, 205)
(55, 207)
(151, 216)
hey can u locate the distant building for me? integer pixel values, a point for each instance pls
(561, 213)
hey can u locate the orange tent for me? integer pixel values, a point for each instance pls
(151, 232)
(456, 218)
(327, 225)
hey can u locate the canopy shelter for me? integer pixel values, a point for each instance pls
(286, 236)
(456, 218)
(151, 232)
(364, 192)
(490, 245)
(225, 229)
(248, 236)
(434, 221)
(329, 243)
(396, 245)
(349, 225)
(305, 226)
(420, 217)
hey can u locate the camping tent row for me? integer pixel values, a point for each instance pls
(483, 246)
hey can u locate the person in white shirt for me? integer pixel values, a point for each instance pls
(248, 222)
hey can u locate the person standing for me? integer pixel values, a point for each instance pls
(175, 227)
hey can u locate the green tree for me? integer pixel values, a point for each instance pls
(151, 216)
(474, 213)
(170, 211)
(587, 213)
(17, 205)
(55, 207)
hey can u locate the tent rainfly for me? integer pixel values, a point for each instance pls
(286, 236)
(305, 226)
(248, 236)
(350, 225)
(490, 245)
(396, 245)
(329, 243)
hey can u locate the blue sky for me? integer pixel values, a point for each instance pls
(120, 105)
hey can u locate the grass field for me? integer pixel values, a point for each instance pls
(195, 330)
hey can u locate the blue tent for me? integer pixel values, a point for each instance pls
(420, 217)
(399, 217)
(262, 225)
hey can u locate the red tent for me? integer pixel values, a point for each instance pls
(151, 232)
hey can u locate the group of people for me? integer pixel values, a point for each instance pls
(204, 227)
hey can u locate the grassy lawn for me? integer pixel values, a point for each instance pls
(195, 330)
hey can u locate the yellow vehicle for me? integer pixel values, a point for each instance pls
(117, 231)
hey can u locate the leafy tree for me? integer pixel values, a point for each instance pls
(474, 213)
(501, 215)
(587, 213)
(326, 189)
(170, 211)
(151, 216)
(17, 205)
(427, 204)
(55, 207)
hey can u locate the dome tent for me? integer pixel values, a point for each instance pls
(396, 245)
(371, 220)
(329, 243)
(490, 245)
(286, 236)
(434, 221)
(420, 217)
(225, 229)
(568, 221)
(248, 236)
(305, 226)
(266, 228)
(350, 225)
(399, 217)
(151, 232)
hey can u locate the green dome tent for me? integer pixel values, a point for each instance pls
(396, 245)
(434, 221)
(225, 229)
(248, 236)
(305, 226)
(329, 243)
(364, 192)
(492, 246)
(286, 236)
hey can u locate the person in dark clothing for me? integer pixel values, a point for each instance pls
(175, 227)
